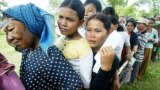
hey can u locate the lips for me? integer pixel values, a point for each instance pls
(86, 17)
(92, 41)
(15, 43)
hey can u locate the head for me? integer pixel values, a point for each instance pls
(150, 23)
(156, 25)
(91, 7)
(109, 11)
(114, 22)
(26, 26)
(157, 17)
(122, 20)
(71, 14)
(17, 34)
(130, 25)
(97, 28)
(142, 24)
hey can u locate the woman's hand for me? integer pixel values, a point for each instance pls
(107, 55)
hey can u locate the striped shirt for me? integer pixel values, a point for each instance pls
(142, 37)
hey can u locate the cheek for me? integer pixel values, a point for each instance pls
(101, 39)
(90, 14)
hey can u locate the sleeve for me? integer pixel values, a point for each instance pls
(103, 78)
(135, 39)
(85, 64)
(142, 40)
(156, 36)
(62, 74)
(127, 42)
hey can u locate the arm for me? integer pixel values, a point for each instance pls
(156, 36)
(85, 64)
(62, 74)
(128, 52)
(107, 70)
(127, 46)
(134, 50)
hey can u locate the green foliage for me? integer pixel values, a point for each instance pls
(114, 3)
(2, 3)
(1, 32)
(126, 11)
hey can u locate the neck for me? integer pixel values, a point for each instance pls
(74, 36)
(141, 30)
(95, 50)
(149, 30)
(35, 43)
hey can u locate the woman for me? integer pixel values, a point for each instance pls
(97, 31)
(29, 29)
(130, 25)
(91, 7)
(75, 48)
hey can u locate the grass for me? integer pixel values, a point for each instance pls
(151, 80)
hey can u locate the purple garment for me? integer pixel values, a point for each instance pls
(9, 80)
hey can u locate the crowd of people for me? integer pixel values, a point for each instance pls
(92, 46)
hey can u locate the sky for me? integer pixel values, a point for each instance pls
(44, 4)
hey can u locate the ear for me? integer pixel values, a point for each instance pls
(81, 22)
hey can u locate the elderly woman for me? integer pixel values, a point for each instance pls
(29, 29)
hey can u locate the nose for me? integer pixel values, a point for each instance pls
(85, 14)
(63, 22)
(91, 34)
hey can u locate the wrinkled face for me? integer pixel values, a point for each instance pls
(130, 26)
(96, 34)
(16, 34)
(141, 26)
(90, 10)
(68, 21)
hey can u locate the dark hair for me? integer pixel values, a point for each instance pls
(96, 3)
(114, 20)
(152, 19)
(76, 5)
(133, 23)
(103, 18)
(109, 10)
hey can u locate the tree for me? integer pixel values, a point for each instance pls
(55, 4)
(115, 3)
(126, 11)
(153, 5)
(2, 4)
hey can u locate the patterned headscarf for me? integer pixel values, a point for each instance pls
(37, 21)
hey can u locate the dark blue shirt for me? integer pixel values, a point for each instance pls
(39, 71)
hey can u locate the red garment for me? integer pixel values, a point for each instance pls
(4, 65)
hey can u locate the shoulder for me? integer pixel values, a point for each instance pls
(59, 41)
(53, 51)
(134, 34)
(83, 47)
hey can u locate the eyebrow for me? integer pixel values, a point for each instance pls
(5, 22)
